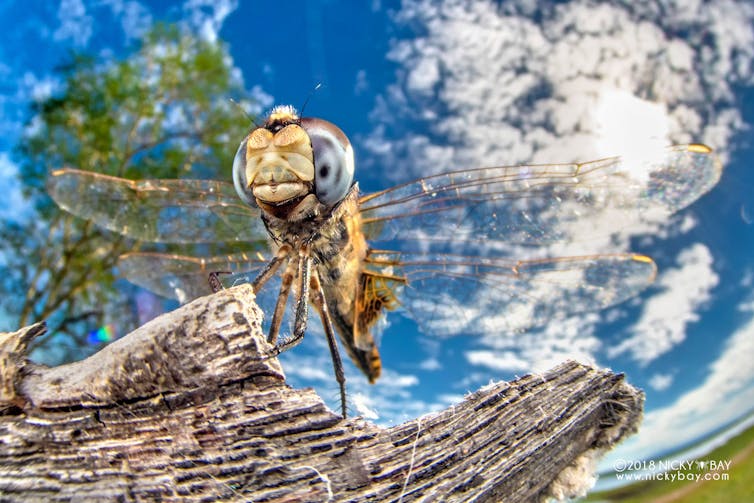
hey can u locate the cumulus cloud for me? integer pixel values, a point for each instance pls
(483, 84)
(571, 85)
(540, 349)
(661, 382)
(208, 16)
(430, 363)
(77, 18)
(497, 360)
(666, 315)
(363, 405)
(135, 19)
(76, 24)
(725, 394)
(361, 85)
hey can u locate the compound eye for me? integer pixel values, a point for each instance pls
(333, 160)
(239, 176)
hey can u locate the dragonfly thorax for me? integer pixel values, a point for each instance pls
(308, 222)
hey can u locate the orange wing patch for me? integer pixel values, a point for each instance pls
(376, 295)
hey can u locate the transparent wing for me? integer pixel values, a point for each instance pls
(453, 294)
(172, 211)
(182, 277)
(541, 204)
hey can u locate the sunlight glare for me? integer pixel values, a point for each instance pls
(631, 127)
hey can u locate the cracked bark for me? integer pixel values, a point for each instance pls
(187, 406)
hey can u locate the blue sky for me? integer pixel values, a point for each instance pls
(423, 87)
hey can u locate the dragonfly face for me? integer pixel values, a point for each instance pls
(292, 167)
(444, 249)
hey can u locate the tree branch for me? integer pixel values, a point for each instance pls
(189, 405)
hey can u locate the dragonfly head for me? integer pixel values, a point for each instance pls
(281, 164)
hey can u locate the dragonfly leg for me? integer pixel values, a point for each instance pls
(265, 274)
(302, 305)
(286, 280)
(271, 268)
(320, 303)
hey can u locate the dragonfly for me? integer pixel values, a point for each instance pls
(455, 251)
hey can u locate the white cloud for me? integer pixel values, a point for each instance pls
(485, 85)
(364, 407)
(725, 395)
(26, 87)
(398, 381)
(747, 304)
(511, 90)
(661, 382)
(394, 398)
(480, 84)
(747, 213)
(75, 24)
(540, 349)
(261, 100)
(666, 315)
(310, 373)
(423, 77)
(36, 88)
(208, 16)
(747, 279)
(362, 83)
(135, 19)
(497, 360)
(77, 19)
(430, 363)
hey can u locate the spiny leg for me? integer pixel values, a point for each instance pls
(320, 303)
(286, 280)
(271, 268)
(265, 274)
(302, 305)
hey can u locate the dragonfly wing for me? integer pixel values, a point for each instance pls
(175, 211)
(452, 294)
(538, 205)
(182, 277)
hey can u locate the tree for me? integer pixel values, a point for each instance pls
(162, 112)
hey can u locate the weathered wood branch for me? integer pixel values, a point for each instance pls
(189, 406)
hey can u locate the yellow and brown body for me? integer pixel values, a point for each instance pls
(299, 172)
(338, 249)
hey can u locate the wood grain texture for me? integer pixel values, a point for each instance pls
(189, 406)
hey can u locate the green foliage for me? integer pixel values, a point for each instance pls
(162, 112)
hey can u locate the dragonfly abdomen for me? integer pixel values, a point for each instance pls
(340, 250)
